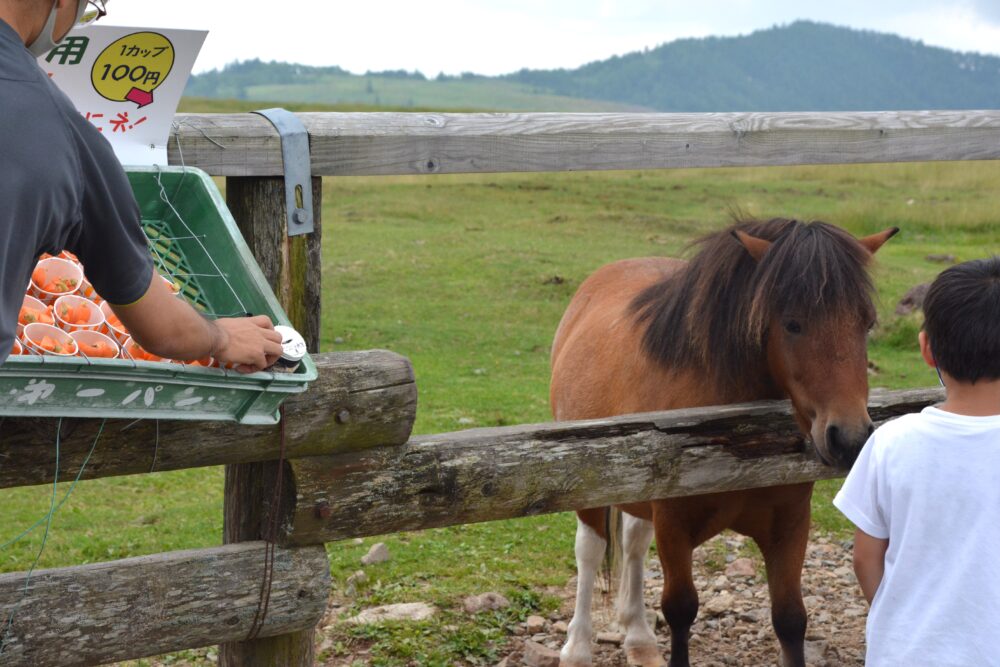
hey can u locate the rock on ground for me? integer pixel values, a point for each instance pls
(741, 567)
(913, 299)
(490, 601)
(534, 625)
(538, 655)
(379, 553)
(406, 611)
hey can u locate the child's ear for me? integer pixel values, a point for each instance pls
(925, 349)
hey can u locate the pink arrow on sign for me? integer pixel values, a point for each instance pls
(140, 97)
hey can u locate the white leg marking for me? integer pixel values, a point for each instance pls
(637, 534)
(589, 554)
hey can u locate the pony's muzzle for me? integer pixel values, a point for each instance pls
(843, 446)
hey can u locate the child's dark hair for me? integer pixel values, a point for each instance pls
(962, 320)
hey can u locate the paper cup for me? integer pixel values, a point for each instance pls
(55, 269)
(85, 339)
(87, 290)
(73, 303)
(130, 349)
(36, 333)
(30, 303)
(119, 334)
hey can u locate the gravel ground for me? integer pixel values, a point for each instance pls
(733, 625)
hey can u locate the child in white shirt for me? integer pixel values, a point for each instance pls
(925, 493)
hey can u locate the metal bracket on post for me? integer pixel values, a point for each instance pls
(297, 166)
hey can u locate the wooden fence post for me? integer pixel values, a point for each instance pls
(292, 267)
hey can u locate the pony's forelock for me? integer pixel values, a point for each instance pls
(715, 313)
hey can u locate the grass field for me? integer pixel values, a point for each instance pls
(468, 277)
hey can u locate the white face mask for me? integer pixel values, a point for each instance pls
(45, 41)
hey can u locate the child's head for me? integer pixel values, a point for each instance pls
(962, 321)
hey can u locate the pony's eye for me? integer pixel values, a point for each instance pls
(793, 327)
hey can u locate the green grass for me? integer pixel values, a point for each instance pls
(468, 277)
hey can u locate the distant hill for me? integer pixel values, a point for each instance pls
(797, 67)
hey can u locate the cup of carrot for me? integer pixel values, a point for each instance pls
(54, 277)
(112, 325)
(48, 339)
(75, 313)
(95, 345)
(87, 290)
(33, 310)
(132, 349)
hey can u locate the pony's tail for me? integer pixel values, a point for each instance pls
(612, 563)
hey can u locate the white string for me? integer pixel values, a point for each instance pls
(166, 200)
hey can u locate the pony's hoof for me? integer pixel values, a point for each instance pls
(646, 655)
(566, 662)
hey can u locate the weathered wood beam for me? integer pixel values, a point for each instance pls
(293, 265)
(360, 399)
(99, 613)
(293, 268)
(345, 144)
(501, 473)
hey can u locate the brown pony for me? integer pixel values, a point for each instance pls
(765, 310)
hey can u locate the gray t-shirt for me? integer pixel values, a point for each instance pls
(61, 188)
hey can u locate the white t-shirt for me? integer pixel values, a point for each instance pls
(930, 483)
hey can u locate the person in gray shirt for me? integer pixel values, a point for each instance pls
(62, 188)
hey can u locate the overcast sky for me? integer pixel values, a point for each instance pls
(501, 36)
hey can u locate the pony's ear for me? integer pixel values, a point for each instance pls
(875, 241)
(755, 246)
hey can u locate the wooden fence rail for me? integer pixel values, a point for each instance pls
(355, 144)
(501, 473)
(136, 607)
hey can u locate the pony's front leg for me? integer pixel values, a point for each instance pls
(784, 552)
(640, 642)
(784, 558)
(680, 597)
(589, 554)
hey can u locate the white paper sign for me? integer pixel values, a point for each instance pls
(127, 82)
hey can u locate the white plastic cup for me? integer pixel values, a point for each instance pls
(127, 351)
(120, 335)
(33, 304)
(35, 332)
(73, 301)
(56, 269)
(83, 338)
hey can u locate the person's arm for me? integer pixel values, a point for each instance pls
(869, 562)
(169, 327)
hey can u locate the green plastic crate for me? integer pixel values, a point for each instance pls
(194, 239)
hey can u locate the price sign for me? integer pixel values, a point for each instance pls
(127, 82)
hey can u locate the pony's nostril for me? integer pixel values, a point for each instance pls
(870, 430)
(832, 439)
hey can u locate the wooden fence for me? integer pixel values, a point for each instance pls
(352, 467)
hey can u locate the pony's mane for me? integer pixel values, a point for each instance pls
(713, 315)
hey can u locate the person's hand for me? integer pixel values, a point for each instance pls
(249, 343)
